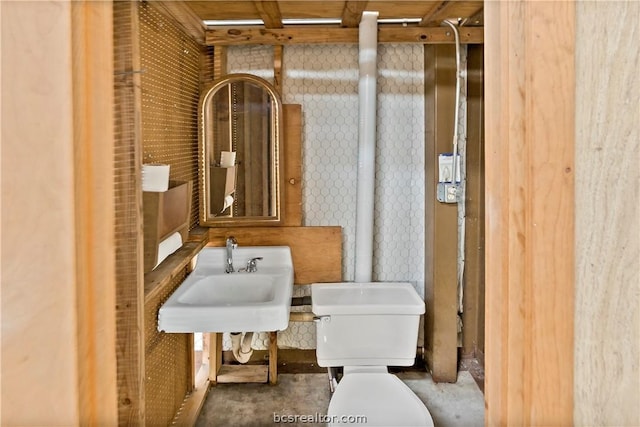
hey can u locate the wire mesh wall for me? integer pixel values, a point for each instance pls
(156, 84)
(170, 78)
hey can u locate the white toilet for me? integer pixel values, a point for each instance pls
(366, 327)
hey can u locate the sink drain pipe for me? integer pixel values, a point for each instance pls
(241, 346)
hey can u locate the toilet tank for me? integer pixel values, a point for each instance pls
(366, 324)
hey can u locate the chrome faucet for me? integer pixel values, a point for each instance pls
(231, 245)
(252, 264)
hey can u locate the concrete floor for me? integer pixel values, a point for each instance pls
(459, 404)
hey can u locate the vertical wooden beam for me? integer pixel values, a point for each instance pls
(292, 145)
(215, 356)
(435, 8)
(441, 220)
(219, 61)
(273, 358)
(530, 127)
(128, 196)
(277, 68)
(93, 118)
(269, 13)
(473, 315)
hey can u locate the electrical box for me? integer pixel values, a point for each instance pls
(447, 190)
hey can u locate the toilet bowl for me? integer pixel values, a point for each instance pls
(366, 327)
(376, 398)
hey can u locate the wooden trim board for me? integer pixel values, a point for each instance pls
(93, 135)
(287, 36)
(530, 126)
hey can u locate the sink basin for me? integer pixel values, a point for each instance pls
(210, 300)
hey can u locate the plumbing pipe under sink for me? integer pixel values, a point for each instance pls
(241, 346)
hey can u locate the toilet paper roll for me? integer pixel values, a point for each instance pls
(155, 177)
(227, 159)
(168, 246)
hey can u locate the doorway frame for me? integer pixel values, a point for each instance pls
(530, 230)
(529, 223)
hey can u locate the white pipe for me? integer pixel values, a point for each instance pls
(368, 53)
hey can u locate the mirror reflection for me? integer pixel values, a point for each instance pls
(239, 152)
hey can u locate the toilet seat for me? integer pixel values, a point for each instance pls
(381, 397)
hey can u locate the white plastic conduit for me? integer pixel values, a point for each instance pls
(368, 43)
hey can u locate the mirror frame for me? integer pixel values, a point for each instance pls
(204, 177)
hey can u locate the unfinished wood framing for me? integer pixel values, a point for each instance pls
(243, 373)
(93, 118)
(269, 13)
(289, 36)
(180, 13)
(441, 219)
(352, 13)
(530, 126)
(292, 153)
(473, 314)
(129, 253)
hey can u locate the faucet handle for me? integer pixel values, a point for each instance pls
(252, 264)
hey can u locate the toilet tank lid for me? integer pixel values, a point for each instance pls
(346, 298)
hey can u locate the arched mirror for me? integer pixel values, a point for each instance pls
(239, 152)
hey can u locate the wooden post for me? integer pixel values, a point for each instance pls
(215, 356)
(529, 169)
(273, 358)
(441, 220)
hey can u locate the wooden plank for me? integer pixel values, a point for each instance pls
(316, 251)
(243, 374)
(292, 151)
(441, 220)
(607, 330)
(170, 268)
(273, 357)
(190, 410)
(352, 13)
(473, 314)
(219, 62)
(215, 356)
(301, 316)
(452, 10)
(94, 210)
(326, 35)
(277, 69)
(430, 13)
(529, 212)
(269, 13)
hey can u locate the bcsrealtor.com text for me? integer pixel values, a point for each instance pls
(318, 418)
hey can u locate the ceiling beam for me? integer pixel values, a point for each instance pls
(433, 10)
(352, 13)
(269, 13)
(326, 35)
(184, 16)
(476, 18)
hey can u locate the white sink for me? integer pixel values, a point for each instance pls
(210, 300)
